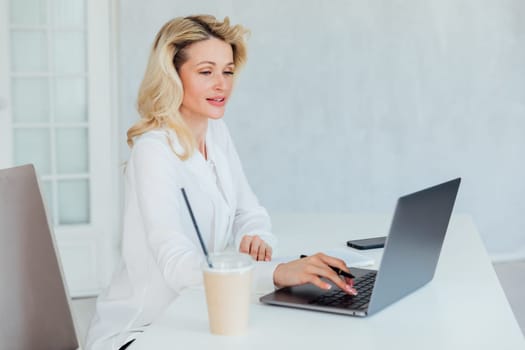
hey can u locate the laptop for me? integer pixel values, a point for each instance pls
(33, 298)
(409, 260)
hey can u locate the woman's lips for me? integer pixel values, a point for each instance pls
(217, 101)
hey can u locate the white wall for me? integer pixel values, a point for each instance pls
(345, 105)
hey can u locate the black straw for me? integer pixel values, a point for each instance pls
(203, 246)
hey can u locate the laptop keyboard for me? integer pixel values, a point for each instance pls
(338, 298)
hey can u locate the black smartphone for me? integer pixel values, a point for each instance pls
(368, 243)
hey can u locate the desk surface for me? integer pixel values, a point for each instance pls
(464, 307)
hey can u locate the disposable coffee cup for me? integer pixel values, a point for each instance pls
(228, 285)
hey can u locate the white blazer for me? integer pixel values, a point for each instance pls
(161, 254)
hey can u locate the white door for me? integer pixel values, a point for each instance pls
(55, 112)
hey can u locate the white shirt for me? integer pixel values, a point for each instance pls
(161, 254)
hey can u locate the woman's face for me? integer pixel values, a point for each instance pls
(207, 79)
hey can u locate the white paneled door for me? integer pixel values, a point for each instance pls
(55, 112)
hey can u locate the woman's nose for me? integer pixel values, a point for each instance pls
(220, 82)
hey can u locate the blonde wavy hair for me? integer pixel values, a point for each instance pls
(161, 91)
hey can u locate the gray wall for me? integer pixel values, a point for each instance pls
(344, 105)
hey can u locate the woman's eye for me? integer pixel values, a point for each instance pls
(229, 73)
(206, 72)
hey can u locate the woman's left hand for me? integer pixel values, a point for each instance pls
(256, 247)
(310, 270)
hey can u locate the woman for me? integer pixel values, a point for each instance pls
(180, 141)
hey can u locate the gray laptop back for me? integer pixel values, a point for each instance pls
(409, 259)
(414, 243)
(33, 300)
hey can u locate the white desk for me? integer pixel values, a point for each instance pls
(464, 307)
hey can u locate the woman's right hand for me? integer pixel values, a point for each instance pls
(310, 270)
(256, 247)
